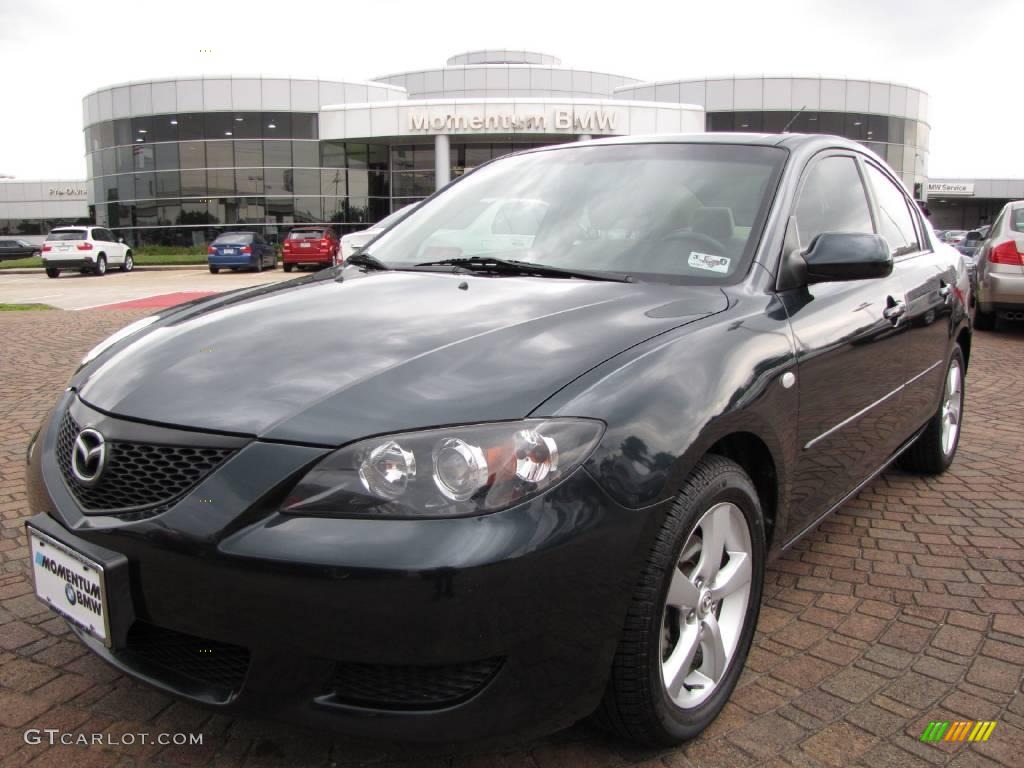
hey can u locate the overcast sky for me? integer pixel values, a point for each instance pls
(962, 53)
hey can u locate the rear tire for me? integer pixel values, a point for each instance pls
(287, 267)
(101, 266)
(214, 270)
(935, 448)
(664, 638)
(984, 321)
(52, 272)
(259, 265)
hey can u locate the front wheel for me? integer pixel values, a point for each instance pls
(691, 621)
(101, 266)
(129, 262)
(935, 449)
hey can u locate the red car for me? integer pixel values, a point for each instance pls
(313, 246)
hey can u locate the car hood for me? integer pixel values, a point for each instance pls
(326, 361)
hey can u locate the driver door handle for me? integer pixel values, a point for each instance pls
(895, 310)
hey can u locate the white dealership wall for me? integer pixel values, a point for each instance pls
(49, 202)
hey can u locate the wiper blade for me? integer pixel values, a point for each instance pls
(366, 260)
(513, 267)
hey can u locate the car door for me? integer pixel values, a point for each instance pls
(850, 351)
(929, 279)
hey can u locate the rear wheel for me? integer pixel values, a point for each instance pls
(101, 266)
(259, 264)
(935, 449)
(287, 267)
(214, 270)
(129, 263)
(691, 621)
(52, 272)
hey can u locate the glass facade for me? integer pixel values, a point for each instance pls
(180, 179)
(901, 142)
(38, 226)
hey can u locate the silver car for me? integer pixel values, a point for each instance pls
(1000, 261)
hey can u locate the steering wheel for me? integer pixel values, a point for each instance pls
(705, 242)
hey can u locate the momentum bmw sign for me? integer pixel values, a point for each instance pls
(588, 121)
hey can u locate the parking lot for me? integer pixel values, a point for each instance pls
(74, 291)
(905, 607)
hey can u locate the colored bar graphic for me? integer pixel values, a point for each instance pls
(958, 730)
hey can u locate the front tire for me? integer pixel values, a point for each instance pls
(129, 262)
(691, 622)
(935, 448)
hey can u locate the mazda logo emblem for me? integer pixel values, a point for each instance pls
(88, 456)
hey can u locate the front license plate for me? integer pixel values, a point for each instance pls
(71, 584)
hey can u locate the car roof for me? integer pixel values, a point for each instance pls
(805, 144)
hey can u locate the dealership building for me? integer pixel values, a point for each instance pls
(177, 160)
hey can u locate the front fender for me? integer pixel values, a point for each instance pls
(668, 401)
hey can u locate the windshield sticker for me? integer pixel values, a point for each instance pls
(709, 262)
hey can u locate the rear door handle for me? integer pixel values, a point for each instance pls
(895, 310)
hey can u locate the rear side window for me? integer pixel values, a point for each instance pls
(895, 222)
(306, 234)
(832, 200)
(67, 234)
(1017, 219)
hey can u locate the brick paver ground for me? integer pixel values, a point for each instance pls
(906, 606)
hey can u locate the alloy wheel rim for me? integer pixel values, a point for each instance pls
(952, 407)
(101, 266)
(129, 262)
(706, 605)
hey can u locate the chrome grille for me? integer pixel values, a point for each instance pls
(140, 479)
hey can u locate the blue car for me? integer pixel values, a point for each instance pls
(241, 250)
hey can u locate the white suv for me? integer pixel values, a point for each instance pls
(86, 249)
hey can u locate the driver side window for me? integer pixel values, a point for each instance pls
(832, 200)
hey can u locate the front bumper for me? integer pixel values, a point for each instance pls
(526, 604)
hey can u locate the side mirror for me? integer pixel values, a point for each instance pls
(120, 239)
(838, 256)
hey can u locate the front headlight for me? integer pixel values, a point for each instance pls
(120, 335)
(449, 472)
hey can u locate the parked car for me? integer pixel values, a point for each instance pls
(971, 242)
(18, 249)
(491, 495)
(353, 241)
(310, 246)
(241, 250)
(954, 236)
(493, 225)
(1000, 264)
(85, 249)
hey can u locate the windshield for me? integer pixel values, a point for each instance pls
(684, 212)
(233, 239)
(306, 234)
(66, 234)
